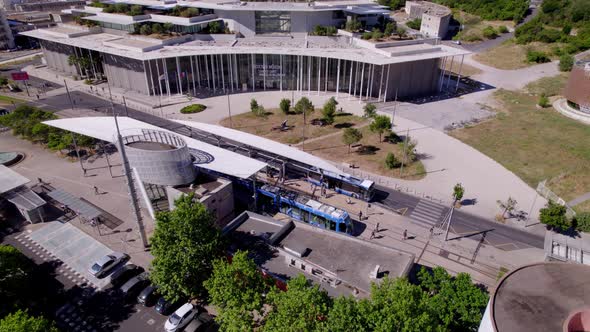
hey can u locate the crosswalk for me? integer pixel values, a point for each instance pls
(427, 213)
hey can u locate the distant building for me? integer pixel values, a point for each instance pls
(435, 18)
(577, 90)
(48, 6)
(13, 191)
(6, 37)
(339, 263)
(540, 297)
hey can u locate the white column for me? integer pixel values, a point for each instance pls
(264, 71)
(207, 70)
(326, 78)
(350, 80)
(281, 72)
(198, 71)
(370, 81)
(298, 73)
(222, 73)
(166, 77)
(159, 79)
(386, 84)
(152, 77)
(178, 74)
(459, 75)
(253, 80)
(381, 82)
(309, 61)
(319, 73)
(356, 74)
(193, 75)
(361, 88)
(338, 79)
(450, 71)
(442, 74)
(231, 72)
(213, 65)
(236, 74)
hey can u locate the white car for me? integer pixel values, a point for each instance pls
(180, 317)
(101, 267)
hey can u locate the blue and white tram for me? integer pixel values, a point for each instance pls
(303, 208)
(344, 184)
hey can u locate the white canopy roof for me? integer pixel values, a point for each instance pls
(103, 128)
(10, 179)
(263, 144)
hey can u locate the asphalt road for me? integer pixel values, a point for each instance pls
(464, 224)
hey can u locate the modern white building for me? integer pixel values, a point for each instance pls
(6, 37)
(435, 18)
(266, 46)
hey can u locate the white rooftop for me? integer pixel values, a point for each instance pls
(264, 144)
(10, 179)
(103, 128)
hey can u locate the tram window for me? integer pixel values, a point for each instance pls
(348, 187)
(332, 225)
(342, 227)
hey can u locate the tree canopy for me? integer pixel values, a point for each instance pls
(491, 10)
(184, 245)
(15, 278)
(351, 136)
(553, 215)
(303, 105)
(329, 110)
(21, 321)
(380, 125)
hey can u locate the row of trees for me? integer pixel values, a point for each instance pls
(248, 301)
(491, 10)
(25, 121)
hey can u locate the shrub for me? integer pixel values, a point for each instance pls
(502, 29)
(471, 37)
(353, 26)
(157, 28)
(145, 30)
(489, 32)
(543, 101)
(3, 81)
(389, 29)
(415, 24)
(285, 105)
(260, 111)
(329, 110)
(582, 222)
(376, 34)
(253, 105)
(553, 215)
(87, 81)
(367, 35)
(135, 10)
(566, 62)
(549, 36)
(537, 56)
(194, 108)
(391, 161)
(370, 110)
(303, 105)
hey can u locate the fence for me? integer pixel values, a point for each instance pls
(391, 183)
(544, 191)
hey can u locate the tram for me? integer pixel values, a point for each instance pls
(305, 209)
(344, 184)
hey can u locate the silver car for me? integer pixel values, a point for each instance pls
(101, 267)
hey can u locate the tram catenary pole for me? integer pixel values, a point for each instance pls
(72, 133)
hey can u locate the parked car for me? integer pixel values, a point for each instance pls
(148, 295)
(181, 317)
(200, 324)
(164, 307)
(102, 267)
(131, 288)
(126, 272)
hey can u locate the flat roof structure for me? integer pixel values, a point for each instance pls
(103, 128)
(263, 144)
(539, 297)
(340, 264)
(10, 179)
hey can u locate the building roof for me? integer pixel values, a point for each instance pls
(540, 297)
(82, 208)
(24, 198)
(263, 144)
(338, 48)
(103, 128)
(10, 179)
(272, 242)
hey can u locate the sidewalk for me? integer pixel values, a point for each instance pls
(483, 262)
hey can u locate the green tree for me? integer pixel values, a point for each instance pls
(3, 81)
(237, 287)
(400, 31)
(135, 10)
(502, 29)
(167, 27)
(389, 29)
(370, 110)
(380, 125)
(456, 302)
(21, 321)
(543, 101)
(353, 26)
(285, 105)
(351, 136)
(329, 110)
(409, 147)
(376, 34)
(157, 28)
(184, 245)
(303, 307)
(507, 206)
(15, 278)
(145, 30)
(489, 32)
(214, 27)
(414, 24)
(348, 314)
(582, 222)
(458, 192)
(253, 105)
(303, 105)
(391, 161)
(553, 216)
(566, 62)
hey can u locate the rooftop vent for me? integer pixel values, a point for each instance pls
(297, 250)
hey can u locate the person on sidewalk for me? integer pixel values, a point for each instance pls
(348, 200)
(96, 190)
(372, 235)
(40, 180)
(360, 215)
(377, 227)
(405, 234)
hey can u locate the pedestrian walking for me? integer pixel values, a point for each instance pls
(95, 190)
(348, 200)
(360, 215)
(40, 180)
(372, 235)
(431, 230)
(377, 227)
(405, 234)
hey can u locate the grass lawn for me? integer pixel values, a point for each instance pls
(550, 86)
(5, 100)
(262, 126)
(535, 144)
(466, 70)
(473, 27)
(510, 55)
(370, 156)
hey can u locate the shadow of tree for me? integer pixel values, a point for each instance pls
(367, 150)
(343, 125)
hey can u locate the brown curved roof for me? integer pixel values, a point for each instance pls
(577, 89)
(540, 297)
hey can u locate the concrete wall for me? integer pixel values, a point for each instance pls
(435, 26)
(220, 202)
(410, 79)
(56, 56)
(243, 22)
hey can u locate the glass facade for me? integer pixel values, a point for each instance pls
(273, 22)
